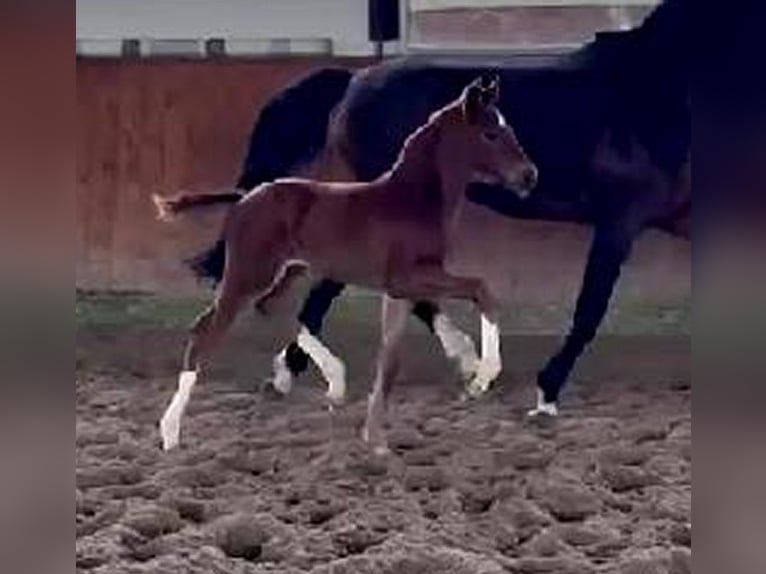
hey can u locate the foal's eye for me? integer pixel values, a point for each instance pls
(491, 136)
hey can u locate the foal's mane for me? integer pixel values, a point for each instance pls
(416, 151)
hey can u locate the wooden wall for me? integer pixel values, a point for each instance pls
(163, 126)
(159, 126)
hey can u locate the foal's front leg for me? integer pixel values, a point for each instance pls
(432, 281)
(393, 321)
(491, 363)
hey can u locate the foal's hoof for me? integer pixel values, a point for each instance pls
(543, 408)
(283, 378)
(170, 433)
(475, 389)
(381, 450)
(336, 400)
(481, 381)
(336, 393)
(376, 441)
(468, 367)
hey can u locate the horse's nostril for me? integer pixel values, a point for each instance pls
(530, 178)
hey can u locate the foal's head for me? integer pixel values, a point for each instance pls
(474, 137)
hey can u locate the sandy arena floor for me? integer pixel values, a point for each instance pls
(265, 484)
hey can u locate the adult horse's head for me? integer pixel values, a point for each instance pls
(475, 136)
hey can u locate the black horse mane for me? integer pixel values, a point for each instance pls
(274, 147)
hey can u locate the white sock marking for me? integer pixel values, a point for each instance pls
(283, 378)
(170, 424)
(543, 408)
(491, 362)
(332, 367)
(457, 345)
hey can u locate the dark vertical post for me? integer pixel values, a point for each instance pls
(383, 23)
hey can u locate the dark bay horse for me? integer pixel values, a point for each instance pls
(608, 125)
(392, 234)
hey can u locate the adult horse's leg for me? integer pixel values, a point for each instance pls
(393, 322)
(293, 359)
(610, 247)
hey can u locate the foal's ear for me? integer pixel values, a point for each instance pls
(473, 100)
(492, 89)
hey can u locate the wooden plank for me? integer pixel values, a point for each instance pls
(163, 126)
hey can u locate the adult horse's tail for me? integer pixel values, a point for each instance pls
(292, 128)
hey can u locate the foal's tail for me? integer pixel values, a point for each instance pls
(209, 264)
(169, 207)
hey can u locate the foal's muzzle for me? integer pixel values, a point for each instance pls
(529, 179)
(525, 182)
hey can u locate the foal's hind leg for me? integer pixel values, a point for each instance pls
(393, 321)
(249, 269)
(206, 333)
(288, 273)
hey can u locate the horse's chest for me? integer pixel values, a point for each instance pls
(413, 237)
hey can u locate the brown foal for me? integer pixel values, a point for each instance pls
(391, 234)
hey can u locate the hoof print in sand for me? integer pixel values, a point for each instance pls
(528, 454)
(241, 536)
(191, 509)
(354, 541)
(429, 478)
(568, 502)
(109, 475)
(152, 521)
(563, 565)
(626, 478)
(650, 561)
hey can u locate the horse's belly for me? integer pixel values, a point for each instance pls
(357, 240)
(356, 264)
